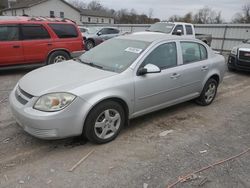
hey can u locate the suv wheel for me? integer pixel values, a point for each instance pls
(89, 44)
(104, 122)
(57, 57)
(209, 92)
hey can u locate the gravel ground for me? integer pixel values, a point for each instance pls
(139, 157)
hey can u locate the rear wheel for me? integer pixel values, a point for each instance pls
(89, 44)
(209, 92)
(104, 122)
(57, 57)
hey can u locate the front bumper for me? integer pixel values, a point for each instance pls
(235, 63)
(50, 125)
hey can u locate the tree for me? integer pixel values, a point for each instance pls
(95, 5)
(207, 16)
(78, 4)
(244, 16)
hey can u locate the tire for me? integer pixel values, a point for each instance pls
(57, 57)
(104, 122)
(206, 97)
(89, 44)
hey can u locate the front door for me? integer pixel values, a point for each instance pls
(11, 48)
(156, 90)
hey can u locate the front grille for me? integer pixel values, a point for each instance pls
(22, 96)
(244, 56)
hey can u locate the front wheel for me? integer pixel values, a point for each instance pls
(208, 93)
(104, 122)
(89, 44)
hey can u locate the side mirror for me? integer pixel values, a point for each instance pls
(149, 68)
(99, 33)
(179, 32)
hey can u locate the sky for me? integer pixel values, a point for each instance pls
(165, 8)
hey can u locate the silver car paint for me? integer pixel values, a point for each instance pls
(141, 94)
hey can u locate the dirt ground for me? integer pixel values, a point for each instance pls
(142, 156)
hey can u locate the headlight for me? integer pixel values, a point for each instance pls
(234, 51)
(54, 102)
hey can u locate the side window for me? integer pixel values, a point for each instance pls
(189, 29)
(9, 33)
(34, 32)
(164, 56)
(113, 31)
(105, 31)
(192, 52)
(178, 27)
(64, 30)
(203, 51)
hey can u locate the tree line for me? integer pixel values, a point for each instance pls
(204, 15)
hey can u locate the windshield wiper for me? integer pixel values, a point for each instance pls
(90, 64)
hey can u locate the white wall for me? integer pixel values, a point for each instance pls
(93, 19)
(44, 9)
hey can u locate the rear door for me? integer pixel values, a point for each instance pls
(195, 67)
(11, 49)
(37, 43)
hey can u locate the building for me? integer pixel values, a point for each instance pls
(57, 8)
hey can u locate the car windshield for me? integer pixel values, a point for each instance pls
(161, 27)
(92, 30)
(120, 55)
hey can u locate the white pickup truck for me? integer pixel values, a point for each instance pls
(179, 28)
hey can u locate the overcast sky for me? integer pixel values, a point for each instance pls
(166, 8)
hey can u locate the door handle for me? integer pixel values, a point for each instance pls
(204, 68)
(16, 46)
(175, 76)
(49, 44)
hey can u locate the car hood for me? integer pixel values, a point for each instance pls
(61, 77)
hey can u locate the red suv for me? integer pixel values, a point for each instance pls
(38, 41)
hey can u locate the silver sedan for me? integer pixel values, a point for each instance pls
(123, 78)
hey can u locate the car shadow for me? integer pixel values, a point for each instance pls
(15, 71)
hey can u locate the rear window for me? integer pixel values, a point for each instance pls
(34, 32)
(189, 29)
(64, 30)
(9, 33)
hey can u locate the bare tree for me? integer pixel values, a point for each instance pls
(95, 5)
(244, 16)
(150, 13)
(78, 4)
(207, 16)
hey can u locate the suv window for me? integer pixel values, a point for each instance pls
(189, 29)
(113, 31)
(104, 31)
(64, 30)
(9, 33)
(178, 27)
(34, 32)
(164, 56)
(192, 52)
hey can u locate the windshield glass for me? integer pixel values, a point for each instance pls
(115, 55)
(161, 27)
(93, 30)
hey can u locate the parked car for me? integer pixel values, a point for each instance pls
(239, 58)
(38, 41)
(96, 35)
(179, 28)
(83, 30)
(102, 91)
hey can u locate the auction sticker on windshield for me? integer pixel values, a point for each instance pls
(133, 50)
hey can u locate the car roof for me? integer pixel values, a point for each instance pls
(25, 19)
(154, 36)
